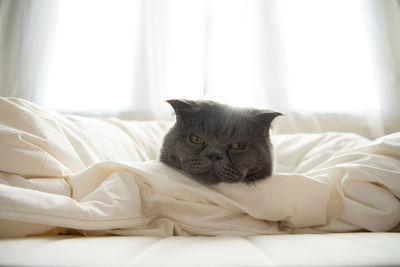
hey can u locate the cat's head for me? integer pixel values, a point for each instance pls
(219, 143)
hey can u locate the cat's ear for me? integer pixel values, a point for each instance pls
(180, 104)
(183, 108)
(264, 118)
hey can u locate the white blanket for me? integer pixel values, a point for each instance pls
(101, 176)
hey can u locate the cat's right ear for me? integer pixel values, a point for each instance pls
(180, 104)
(182, 108)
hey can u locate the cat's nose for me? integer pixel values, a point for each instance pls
(214, 156)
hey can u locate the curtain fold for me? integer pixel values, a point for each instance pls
(383, 20)
(169, 56)
(26, 38)
(243, 54)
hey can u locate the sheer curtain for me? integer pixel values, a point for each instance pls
(383, 21)
(328, 65)
(26, 41)
(126, 65)
(315, 61)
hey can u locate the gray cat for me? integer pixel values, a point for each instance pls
(218, 143)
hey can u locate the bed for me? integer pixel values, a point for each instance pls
(87, 191)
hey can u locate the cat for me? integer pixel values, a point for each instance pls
(216, 143)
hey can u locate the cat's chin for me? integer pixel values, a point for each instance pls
(212, 174)
(212, 177)
(209, 173)
(208, 177)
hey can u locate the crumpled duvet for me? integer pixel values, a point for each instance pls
(101, 176)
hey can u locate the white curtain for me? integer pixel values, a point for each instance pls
(127, 65)
(26, 37)
(170, 51)
(383, 18)
(299, 57)
(328, 65)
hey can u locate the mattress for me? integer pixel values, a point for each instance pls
(350, 249)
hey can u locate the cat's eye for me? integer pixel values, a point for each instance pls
(237, 146)
(196, 140)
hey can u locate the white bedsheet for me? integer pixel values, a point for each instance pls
(101, 176)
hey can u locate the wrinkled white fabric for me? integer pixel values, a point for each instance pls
(101, 176)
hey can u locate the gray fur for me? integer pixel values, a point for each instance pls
(219, 126)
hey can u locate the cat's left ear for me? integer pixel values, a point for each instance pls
(264, 118)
